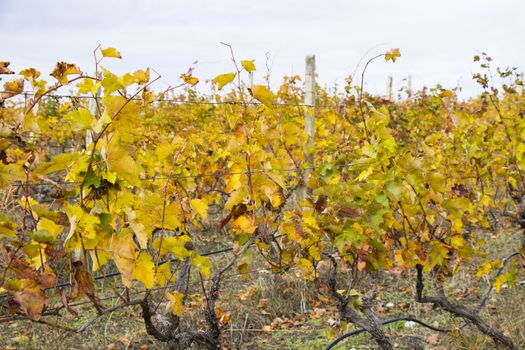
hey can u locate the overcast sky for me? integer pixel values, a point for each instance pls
(437, 39)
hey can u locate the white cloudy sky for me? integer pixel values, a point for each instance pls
(437, 38)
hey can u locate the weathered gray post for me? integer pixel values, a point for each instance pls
(309, 101)
(389, 87)
(409, 86)
(250, 80)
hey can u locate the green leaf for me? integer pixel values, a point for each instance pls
(202, 263)
(59, 162)
(394, 189)
(7, 227)
(437, 181)
(10, 173)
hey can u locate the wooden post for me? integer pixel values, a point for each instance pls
(389, 87)
(250, 80)
(519, 88)
(409, 86)
(309, 101)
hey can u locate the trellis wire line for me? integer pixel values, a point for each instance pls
(167, 286)
(219, 175)
(233, 103)
(52, 311)
(118, 273)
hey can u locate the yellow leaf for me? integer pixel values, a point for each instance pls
(10, 173)
(64, 107)
(307, 268)
(264, 95)
(437, 181)
(80, 119)
(141, 77)
(110, 82)
(124, 253)
(144, 270)
(119, 161)
(110, 52)
(499, 281)
(173, 245)
(233, 181)
(138, 228)
(99, 258)
(188, 79)
(163, 275)
(392, 55)
(7, 227)
(484, 269)
(30, 74)
(82, 223)
(248, 65)
(175, 303)
(202, 263)
(47, 225)
(222, 79)
(244, 224)
(85, 86)
(13, 88)
(235, 198)
(200, 206)
(62, 70)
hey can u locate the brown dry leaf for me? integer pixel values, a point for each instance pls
(317, 313)
(267, 328)
(31, 301)
(195, 301)
(125, 341)
(313, 303)
(324, 299)
(63, 298)
(432, 338)
(224, 316)
(263, 304)
(4, 69)
(13, 88)
(62, 70)
(248, 293)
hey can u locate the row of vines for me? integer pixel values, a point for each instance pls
(122, 179)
